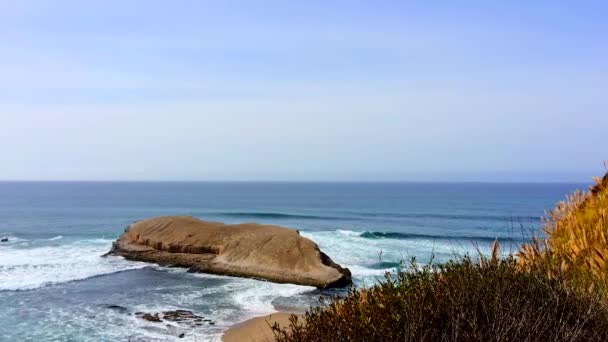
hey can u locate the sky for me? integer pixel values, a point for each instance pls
(306, 91)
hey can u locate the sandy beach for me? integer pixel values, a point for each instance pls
(256, 329)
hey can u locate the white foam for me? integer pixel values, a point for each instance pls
(29, 268)
(58, 237)
(11, 239)
(92, 324)
(255, 296)
(366, 272)
(349, 233)
(349, 249)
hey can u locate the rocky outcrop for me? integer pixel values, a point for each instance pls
(178, 316)
(266, 252)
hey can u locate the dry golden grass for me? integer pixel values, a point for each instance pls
(576, 243)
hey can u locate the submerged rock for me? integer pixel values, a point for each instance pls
(181, 315)
(267, 252)
(177, 316)
(151, 317)
(118, 308)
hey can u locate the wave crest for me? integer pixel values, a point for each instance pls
(263, 215)
(503, 218)
(412, 236)
(30, 268)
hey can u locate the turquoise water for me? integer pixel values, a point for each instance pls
(55, 286)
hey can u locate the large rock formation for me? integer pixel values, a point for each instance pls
(245, 250)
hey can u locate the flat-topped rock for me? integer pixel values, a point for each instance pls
(268, 252)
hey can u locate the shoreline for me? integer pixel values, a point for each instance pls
(257, 328)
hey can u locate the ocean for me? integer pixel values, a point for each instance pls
(54, 286)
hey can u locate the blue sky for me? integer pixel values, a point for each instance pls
(375, 91)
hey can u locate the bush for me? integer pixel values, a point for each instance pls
(458, 301)
(576, 246)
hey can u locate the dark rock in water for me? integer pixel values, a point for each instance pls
(180, 315)
(118, 308)
(152, 318)
(4, 240)
(181, 335)
(177, 316)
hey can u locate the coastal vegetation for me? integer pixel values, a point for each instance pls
(553, 289)
(576, 243)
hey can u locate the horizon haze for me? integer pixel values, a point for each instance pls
(274, 91)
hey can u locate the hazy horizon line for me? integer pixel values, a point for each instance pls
(303, 181)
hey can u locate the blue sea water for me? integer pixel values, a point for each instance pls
(54, 286)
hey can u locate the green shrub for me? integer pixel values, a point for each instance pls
(459, 301)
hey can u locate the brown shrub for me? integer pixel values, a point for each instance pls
(458, 301)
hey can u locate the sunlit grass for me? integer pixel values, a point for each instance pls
(576, 243)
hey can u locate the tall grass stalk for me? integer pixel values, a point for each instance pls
(576, 243)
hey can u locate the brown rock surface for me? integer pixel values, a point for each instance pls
(267, 252)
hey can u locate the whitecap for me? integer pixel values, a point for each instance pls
(255, 296)
(11, 239)
(358, 254)
(30, 268)
(349, 233)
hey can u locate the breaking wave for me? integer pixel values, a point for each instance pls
(259, 215)
(30, 268)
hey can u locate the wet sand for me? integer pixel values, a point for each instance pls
(256, 329)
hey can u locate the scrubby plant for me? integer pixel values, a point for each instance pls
(576, 242)
(462, 300)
